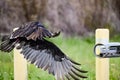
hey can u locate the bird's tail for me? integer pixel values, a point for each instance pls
(8, 45)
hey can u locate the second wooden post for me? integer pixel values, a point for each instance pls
(20, 65)
(102, 64)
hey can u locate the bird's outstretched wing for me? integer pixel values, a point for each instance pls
(30, 31)
(33, 30)
(42, 53)
(47, 56)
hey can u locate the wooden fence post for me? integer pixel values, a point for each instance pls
(20, 66)
(102, 64)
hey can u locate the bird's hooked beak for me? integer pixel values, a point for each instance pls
(15, 29)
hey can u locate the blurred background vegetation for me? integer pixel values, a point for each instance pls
(72, 17)
(76, 19)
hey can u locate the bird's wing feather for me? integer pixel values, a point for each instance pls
(47, 56)
(33, 30)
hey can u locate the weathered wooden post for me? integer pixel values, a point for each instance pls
(102, 64)
(20, 66)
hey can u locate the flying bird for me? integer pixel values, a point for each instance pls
(31, 39)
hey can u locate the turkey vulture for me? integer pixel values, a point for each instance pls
(31, 38)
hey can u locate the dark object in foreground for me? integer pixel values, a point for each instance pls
(42, 53)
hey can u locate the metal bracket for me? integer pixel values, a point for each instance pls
(108, 50)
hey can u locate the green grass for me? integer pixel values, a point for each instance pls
(78, 49)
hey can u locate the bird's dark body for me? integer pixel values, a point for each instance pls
(44, 54)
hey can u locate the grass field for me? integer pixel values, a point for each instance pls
(78, 49)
